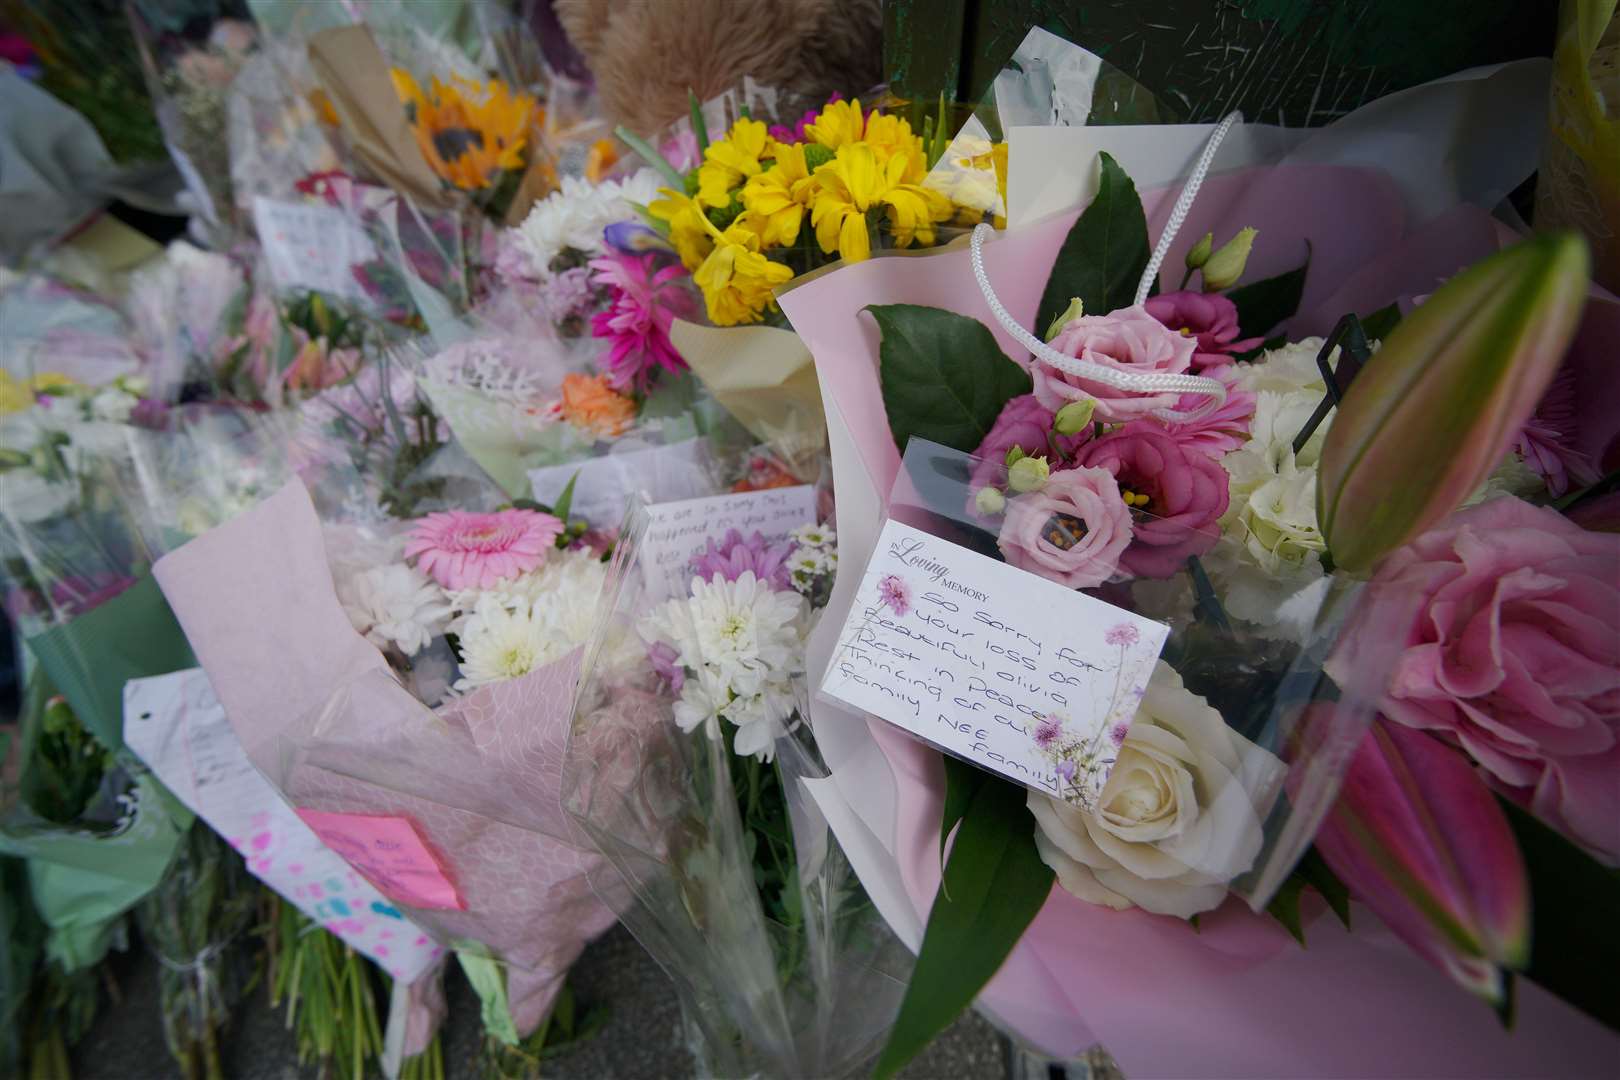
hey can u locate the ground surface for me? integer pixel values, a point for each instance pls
(639, 1040)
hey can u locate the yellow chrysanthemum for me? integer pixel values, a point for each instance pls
(689, 230)
(469, 133)
(46, 381)
(777, 198)
(14, 394)
(731, 161)
(737, 279)
(889, 136)
(855, 182)
(838, 124)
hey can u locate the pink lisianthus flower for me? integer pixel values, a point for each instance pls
(645, 301)
(1222, 431)
(1072, 531)
(462, 550)
(1177, 494)
(1128, 340)
(1209, 319)
(1547, 442)
(1023, 422)
(736, 555)
(1513, 654)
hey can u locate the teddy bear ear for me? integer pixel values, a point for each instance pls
(1434, 410)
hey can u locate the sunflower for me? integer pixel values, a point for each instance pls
(469, 132)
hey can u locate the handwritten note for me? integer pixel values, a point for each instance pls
(680, 531)
(390, 853)
(658, 473)
(312, 246)
(1000, 667)
(177, 726)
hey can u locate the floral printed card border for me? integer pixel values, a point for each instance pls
(1004, 669)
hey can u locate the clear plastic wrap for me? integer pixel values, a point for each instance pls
(737, 885)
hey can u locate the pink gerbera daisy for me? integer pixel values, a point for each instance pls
(461, 550)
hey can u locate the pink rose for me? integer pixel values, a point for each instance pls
(1126, 340)
(1185, 494)
(1514, 653)
(1209, 319)
(1023, 422)
(1071, 531)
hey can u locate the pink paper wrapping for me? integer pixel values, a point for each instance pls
(1238, 997)
(322, 717)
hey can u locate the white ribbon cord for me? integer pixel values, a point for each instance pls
(1144, 382)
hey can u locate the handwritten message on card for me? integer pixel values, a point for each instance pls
(998, 666)
(390, 853)
(178, 727)
(681, 531)
(312, 246)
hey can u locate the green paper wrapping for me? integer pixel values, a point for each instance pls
(89, 658)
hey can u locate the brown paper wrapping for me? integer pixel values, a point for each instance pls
(355, 75)
(766, 378)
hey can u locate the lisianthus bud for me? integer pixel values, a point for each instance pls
(990, 501)
(1198, 254)
(1073, 311)
(1074, 417)
(1223, 268)
(1015, 454)
(1028, 474)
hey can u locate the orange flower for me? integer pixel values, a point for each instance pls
(588, 402)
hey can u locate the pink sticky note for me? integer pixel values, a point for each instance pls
(390, 854)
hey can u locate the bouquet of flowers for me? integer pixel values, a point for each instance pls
(740, 891)
(1163, 454)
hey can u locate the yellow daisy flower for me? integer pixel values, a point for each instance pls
(855, 182)
(46, 381)
(689, 230)
(737, 279)
(776, 199)
(469, 133)
(838, 124)
(731, 161)
(15, 396)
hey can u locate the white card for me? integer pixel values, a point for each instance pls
(177, 726)
(312, 246)
(658, 473)
(681, 531)
(1000, 667)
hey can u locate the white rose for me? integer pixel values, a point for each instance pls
(1179, 817)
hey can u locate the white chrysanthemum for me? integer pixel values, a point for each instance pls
(530, 621)
(575, 215)
(814, 536)
(394, 605)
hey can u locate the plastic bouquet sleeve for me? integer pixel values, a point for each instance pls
(738, 887)
(361, 760)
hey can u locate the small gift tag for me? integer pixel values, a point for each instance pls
(312, 246)
(390, 854)
(681, 531)
(1002, 668)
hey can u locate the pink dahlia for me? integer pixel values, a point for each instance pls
(645, 301)
(466, 551)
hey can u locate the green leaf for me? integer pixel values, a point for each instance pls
(943, 376)
(1262, 304)
(700, 126)
(1103, 256)
(962, 783)
(1378, 325)
(1575, 937)
(565, 501)
(994, 884)
(1312, 872)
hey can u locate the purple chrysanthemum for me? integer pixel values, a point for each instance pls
(666, 662)
(736, 554)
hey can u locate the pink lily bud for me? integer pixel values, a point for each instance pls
(1420, 839)
(1436, 408)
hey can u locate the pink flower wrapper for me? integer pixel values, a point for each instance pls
(1238, 997)
(320, 714)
